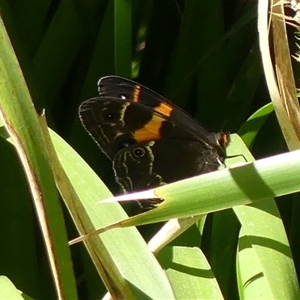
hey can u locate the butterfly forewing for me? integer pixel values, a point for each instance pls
(128, 90)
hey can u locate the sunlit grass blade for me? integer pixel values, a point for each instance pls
(22, 124)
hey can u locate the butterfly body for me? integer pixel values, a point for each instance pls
(149, 140)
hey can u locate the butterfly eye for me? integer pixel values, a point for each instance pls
(138, 152)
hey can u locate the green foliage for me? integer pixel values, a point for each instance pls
(203, 56)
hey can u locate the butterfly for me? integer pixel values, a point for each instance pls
(149, 140)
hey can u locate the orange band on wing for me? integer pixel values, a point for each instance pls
(136, 93)
(150, 131)
(164, 109)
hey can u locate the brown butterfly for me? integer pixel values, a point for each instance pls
(149, 140)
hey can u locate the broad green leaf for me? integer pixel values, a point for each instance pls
(189, 273)
(263, 241)
(251, 280)
(123, 253)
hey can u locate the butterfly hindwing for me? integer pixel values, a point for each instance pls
(150, 164)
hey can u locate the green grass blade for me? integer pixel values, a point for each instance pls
(22, 124)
